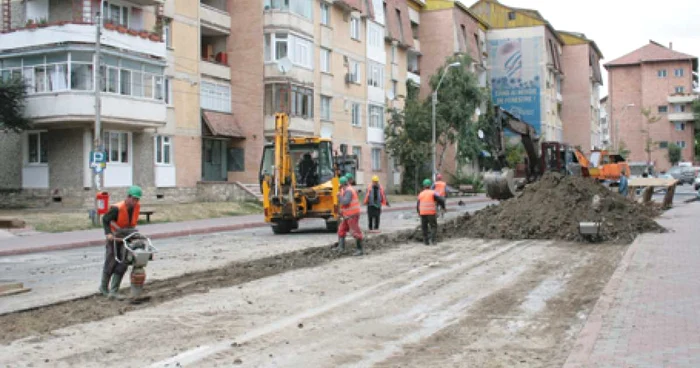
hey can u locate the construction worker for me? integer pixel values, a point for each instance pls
(374, 200)
(350, 216)
(440, 187)
(122, 215)
(351, 179)
(623, 186)
(428, 201)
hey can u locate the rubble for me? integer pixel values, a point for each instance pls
(552, 208)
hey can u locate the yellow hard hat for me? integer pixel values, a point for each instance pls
(375, 178)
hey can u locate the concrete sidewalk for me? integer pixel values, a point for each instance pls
(649, 312)
(85, 238)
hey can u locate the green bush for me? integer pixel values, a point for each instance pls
(474, 180)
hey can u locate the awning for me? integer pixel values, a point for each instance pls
(221, 124)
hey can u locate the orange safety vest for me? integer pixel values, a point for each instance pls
(381, 195)
(353, 208)
(440, 188)
(427, 205)
(123, 220)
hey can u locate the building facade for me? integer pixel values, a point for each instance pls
(659, 80)
(605, 125)
(580, 85)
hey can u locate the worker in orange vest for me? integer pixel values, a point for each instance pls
(121, 216)
(349, 203)
(374, 200)
(428, 202)
(440, 187)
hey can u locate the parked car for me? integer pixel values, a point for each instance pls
(684, 174)
(696, 185)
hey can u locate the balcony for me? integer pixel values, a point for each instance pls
(415, 77)
(678, 99)
(130, 40)
(214, 55)
(297, 125)
(79, 106)
(214, 14)
(296, 73)
(681, 116)
(284, 19)
(416, 45)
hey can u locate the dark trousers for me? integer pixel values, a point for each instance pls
(111, 266)
(428, 224)
(373, 214)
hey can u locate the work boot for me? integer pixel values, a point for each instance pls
(359, 251)
(341, 245)
(114, 287)
(104, 283)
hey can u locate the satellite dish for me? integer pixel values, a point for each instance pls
(284, 65)
(480, 133)
(390, 95)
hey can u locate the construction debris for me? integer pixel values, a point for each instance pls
(12, 289)
(553, 208)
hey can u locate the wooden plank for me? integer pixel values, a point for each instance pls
(15, 292)
(12, 289)
(651, 182)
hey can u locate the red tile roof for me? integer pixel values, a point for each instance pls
(650, 53)
(222, 124)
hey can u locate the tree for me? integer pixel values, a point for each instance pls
(623, 150)
(13, 94)
(458, 97)
(408, 138)
(649, 144)
(674, 154)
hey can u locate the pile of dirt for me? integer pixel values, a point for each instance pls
(552, 208)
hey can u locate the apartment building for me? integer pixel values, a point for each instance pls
(580, 85)
(449, 29)
(51, 44)
(526, 66)
(662, 80)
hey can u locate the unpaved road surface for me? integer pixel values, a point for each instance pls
(462, 303)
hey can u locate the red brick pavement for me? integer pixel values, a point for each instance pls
(649, 312)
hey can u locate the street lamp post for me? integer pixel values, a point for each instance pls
(434, 145)
(617, 127)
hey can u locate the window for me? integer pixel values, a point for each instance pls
(132, 78)
(299, 7)
(355, 28)
(376, 159)
(168, 91)
(376, 116)
(398, 21)
(375, 38)
(168, 33)
(125, 79)
(678, 72)
(81, 76)
(325, 108)
(236, 159)
(280, 45)
(214, 96)
(375, 74)
(117, 146)
(680, 89)
(464, 38)
(412, 62)
(394, 58)
(325, 60)
(414, 30)
(356, 115)
(680, 144)
(661, 73)
(680, 127)
(37, 146)
(163, 150)
(115, 13)
(663, 109)
(678, 108)
(325, 14)
(357, 151)
(395, 88)
(298, 103)
(663, 144)
(354, 75)
(511, 15)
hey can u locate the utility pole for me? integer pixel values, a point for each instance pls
(98, 179)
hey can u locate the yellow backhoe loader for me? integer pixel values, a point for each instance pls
(300, 178)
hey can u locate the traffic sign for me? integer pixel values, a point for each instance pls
(98, 161)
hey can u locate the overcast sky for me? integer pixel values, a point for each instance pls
(621, 26)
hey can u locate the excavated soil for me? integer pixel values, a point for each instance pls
(42, 320)
(552, 208)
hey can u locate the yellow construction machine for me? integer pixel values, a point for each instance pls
(300, 178)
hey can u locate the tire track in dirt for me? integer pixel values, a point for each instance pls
(498, 332)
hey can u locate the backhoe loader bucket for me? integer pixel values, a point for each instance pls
(500, 185)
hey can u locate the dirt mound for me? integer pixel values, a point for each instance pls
(552, 209)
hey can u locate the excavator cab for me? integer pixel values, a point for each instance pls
(312, 161)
